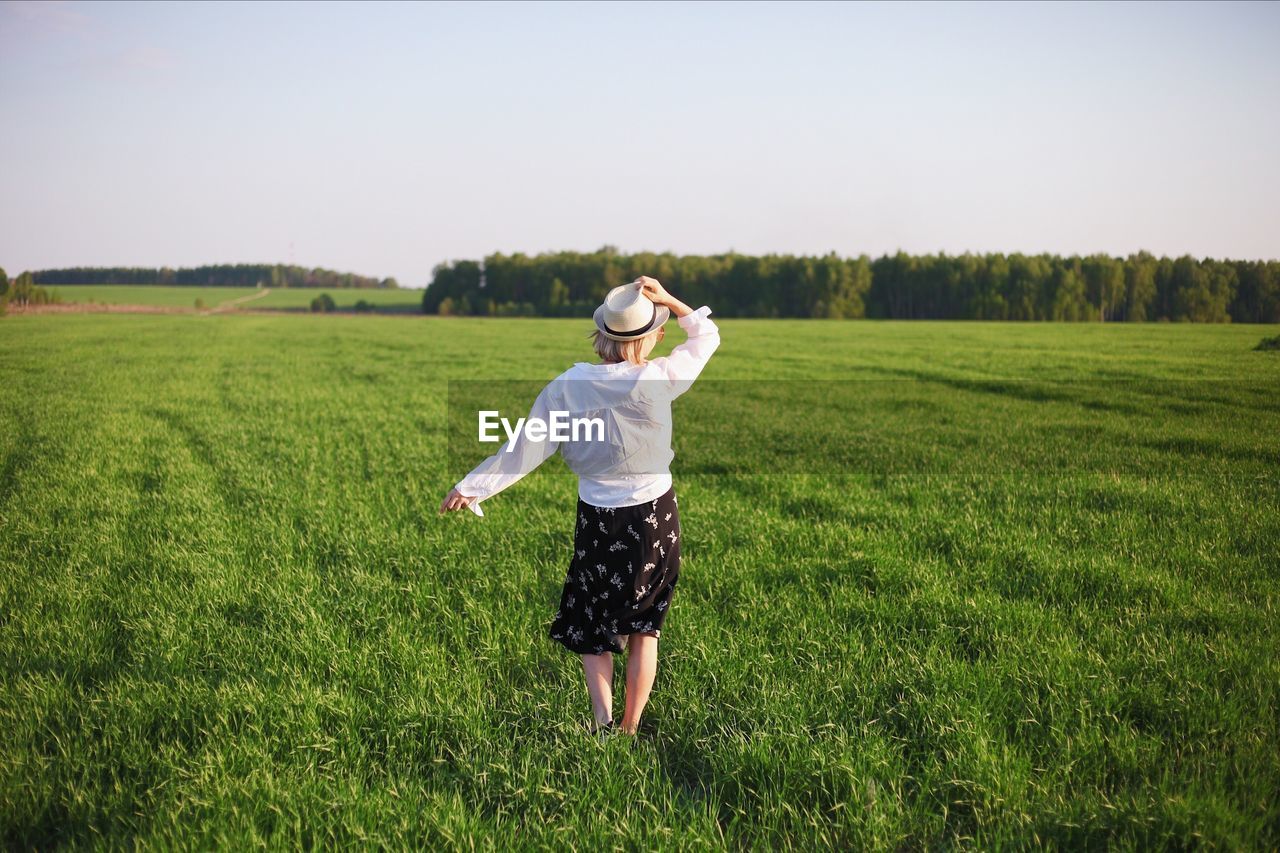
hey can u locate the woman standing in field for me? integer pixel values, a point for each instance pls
(626, 549)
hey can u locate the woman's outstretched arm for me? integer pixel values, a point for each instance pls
(514, 459)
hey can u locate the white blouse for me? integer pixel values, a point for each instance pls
(631, 465)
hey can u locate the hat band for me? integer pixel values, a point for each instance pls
(635, 332)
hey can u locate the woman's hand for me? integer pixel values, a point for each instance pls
(658, 295)
(455, 500)
(654, 290)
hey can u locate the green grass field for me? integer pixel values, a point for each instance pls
(1030, 599)
(400, 300)
(397, 301)
(139, 294)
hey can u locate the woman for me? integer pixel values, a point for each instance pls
(626, 556)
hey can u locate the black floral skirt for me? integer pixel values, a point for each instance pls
(626, 561)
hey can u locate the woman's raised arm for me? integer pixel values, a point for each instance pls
(687, 360)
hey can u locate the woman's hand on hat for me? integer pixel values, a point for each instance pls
(654, 290)
(455, 500)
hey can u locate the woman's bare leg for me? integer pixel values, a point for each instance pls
(642, 667)
(598, 670)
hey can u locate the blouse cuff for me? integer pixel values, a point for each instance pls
(693, 317)
(469, 491)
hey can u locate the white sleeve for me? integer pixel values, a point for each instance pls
(687, 360)
(504, 468)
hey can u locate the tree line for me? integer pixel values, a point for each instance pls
(215, 275)
(1137, 288)
(23, 291)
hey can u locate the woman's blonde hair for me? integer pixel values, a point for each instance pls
(632, 351)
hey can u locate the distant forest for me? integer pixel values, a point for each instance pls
(221, 275)
(1140, 287)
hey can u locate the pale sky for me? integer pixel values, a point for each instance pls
(384, 139)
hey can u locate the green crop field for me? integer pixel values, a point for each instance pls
(943, 584)
(392, 300)
(144, 294)
(400, 300)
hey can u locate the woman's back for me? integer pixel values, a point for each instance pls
(634, 416)
(630, 462)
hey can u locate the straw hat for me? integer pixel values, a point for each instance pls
(627, 313)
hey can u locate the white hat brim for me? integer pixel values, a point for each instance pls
(660, 316)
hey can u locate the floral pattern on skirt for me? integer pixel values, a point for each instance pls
(625, 564)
